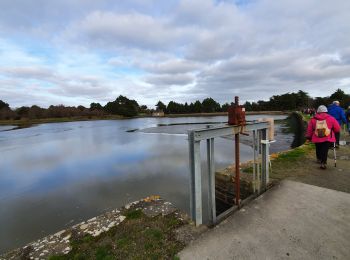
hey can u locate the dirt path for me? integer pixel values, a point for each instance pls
(302, 167)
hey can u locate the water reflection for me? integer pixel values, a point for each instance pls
(54, 175)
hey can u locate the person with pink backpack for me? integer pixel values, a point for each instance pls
(321, 131)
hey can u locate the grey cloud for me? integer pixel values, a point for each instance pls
(173, 66)
(170, 79)
(29, 72)
(133, 30)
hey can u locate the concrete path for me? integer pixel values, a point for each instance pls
(291, 221)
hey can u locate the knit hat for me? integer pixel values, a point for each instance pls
(322, 109)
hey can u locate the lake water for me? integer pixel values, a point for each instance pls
(55, 175)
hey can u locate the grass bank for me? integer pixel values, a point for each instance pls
(300, 165)
(138, 237)
(29, 122)
(151, 228)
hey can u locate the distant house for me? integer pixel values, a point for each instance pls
(158, 113)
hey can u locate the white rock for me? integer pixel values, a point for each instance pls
(121, 218)
(92, 219)
(67, 237)
(112, 224)
(84, 226)
(97, 233)
(105, 229)
(59, 233)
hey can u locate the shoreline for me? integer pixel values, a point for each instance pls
(149, 227)
(23, 123)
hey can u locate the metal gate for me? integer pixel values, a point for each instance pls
(260, 166)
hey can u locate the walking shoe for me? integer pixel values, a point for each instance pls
(323, 166)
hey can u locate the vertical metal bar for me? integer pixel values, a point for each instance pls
(192, 175)
(212, 182)
(209, 173)
(265, 159)
(237, 177)
(258, 172)
(209, 180)
(198, 184)
(267, 152)
(254, 161)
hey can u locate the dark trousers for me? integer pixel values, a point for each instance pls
(337, 137)
(322, 151)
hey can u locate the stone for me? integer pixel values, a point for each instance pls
(112, 224)
(58, 234)
(121, 218)
(67, 237)
(84, 226)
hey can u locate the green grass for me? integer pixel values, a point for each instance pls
(138, 237)
(134, 214)
(295, 154)
(154, 234)
(104, 253)
(124, 242)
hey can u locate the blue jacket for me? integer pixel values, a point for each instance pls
(337, 112)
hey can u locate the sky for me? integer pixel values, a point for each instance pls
(75, 52)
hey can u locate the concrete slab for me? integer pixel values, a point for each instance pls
(291, 221)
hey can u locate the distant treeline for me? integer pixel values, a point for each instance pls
(284, 102)
(129, 108)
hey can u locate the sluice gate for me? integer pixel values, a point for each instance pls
(261, 138)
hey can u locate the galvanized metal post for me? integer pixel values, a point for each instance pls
(192, 175)
(211, 181)
(265, 158)
(198, 183)
(259, 168)
(195, 180)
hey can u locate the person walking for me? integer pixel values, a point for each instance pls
(348, 119)
(338, 113)
(321, 131)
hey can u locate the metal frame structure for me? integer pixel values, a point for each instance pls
(260, 169)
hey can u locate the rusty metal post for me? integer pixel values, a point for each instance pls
(237, 178)
(254, 162)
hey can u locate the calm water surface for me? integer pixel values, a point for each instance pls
(55, 175)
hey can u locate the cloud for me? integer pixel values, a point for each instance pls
(29, 72)
(132, 30)
(171, 66)
(92, 51)
(170, 79)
